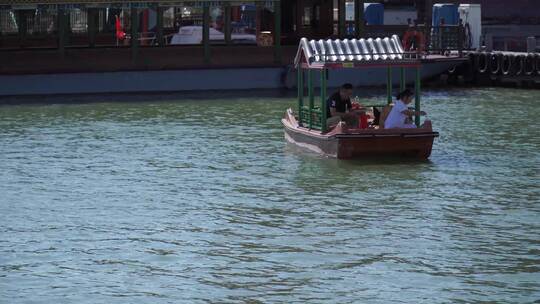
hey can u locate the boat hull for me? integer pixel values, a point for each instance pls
(375, 76)
(357, 144)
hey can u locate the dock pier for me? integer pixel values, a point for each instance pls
(497, 68)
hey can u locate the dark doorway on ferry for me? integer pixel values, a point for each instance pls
(307, 18)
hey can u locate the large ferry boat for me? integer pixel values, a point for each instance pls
(83, 46)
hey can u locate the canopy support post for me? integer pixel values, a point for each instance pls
(389, 85)
(300, 85)
(310, 97)
(402, 83)
(417, 97)
(324, 114)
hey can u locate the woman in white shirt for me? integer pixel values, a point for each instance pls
(400, 114)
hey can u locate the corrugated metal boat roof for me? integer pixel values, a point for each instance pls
(328, 53)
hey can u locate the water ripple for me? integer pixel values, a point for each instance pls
(201, 201)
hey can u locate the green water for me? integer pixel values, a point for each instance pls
(176, 200)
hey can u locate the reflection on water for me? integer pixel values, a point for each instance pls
(202, 201)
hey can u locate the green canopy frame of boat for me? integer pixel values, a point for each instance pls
(324, 55)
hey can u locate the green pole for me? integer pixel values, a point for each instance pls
(389, 85)
(277, 31)
(159, 25)
(21, 25)
(402, 83)
(417, 97)
(92, 16)
(300, 85)
(61, 29)
(358, 18)
(134, 34)
(206, 32)
(227, 24)
(341, 19)
(310, 97)
(323, 100)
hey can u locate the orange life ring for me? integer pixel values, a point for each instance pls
(414, 37)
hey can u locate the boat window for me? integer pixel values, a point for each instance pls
(104, 24)
(186, 31)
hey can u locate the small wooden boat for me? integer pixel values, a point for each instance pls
(308, 129)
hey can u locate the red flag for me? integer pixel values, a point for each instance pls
(120, 34)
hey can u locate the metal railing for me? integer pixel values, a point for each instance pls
(437, 39)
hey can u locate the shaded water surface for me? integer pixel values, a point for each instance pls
(201, 201)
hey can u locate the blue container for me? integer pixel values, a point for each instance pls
(447, 11)
(374, 13)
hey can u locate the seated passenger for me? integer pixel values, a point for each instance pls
(400, 115)
(339, 107)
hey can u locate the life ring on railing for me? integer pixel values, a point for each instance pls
(483, 63)
(528, 65)
(495, 64)
(519, 66)
(506, 64)
(414, 40)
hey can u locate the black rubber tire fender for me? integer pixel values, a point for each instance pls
(537, 63)
(483, 63)
(528, 66)
(495, 63)
(506, 64)
(519, 63)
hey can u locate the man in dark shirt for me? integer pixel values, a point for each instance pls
(339, 107)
